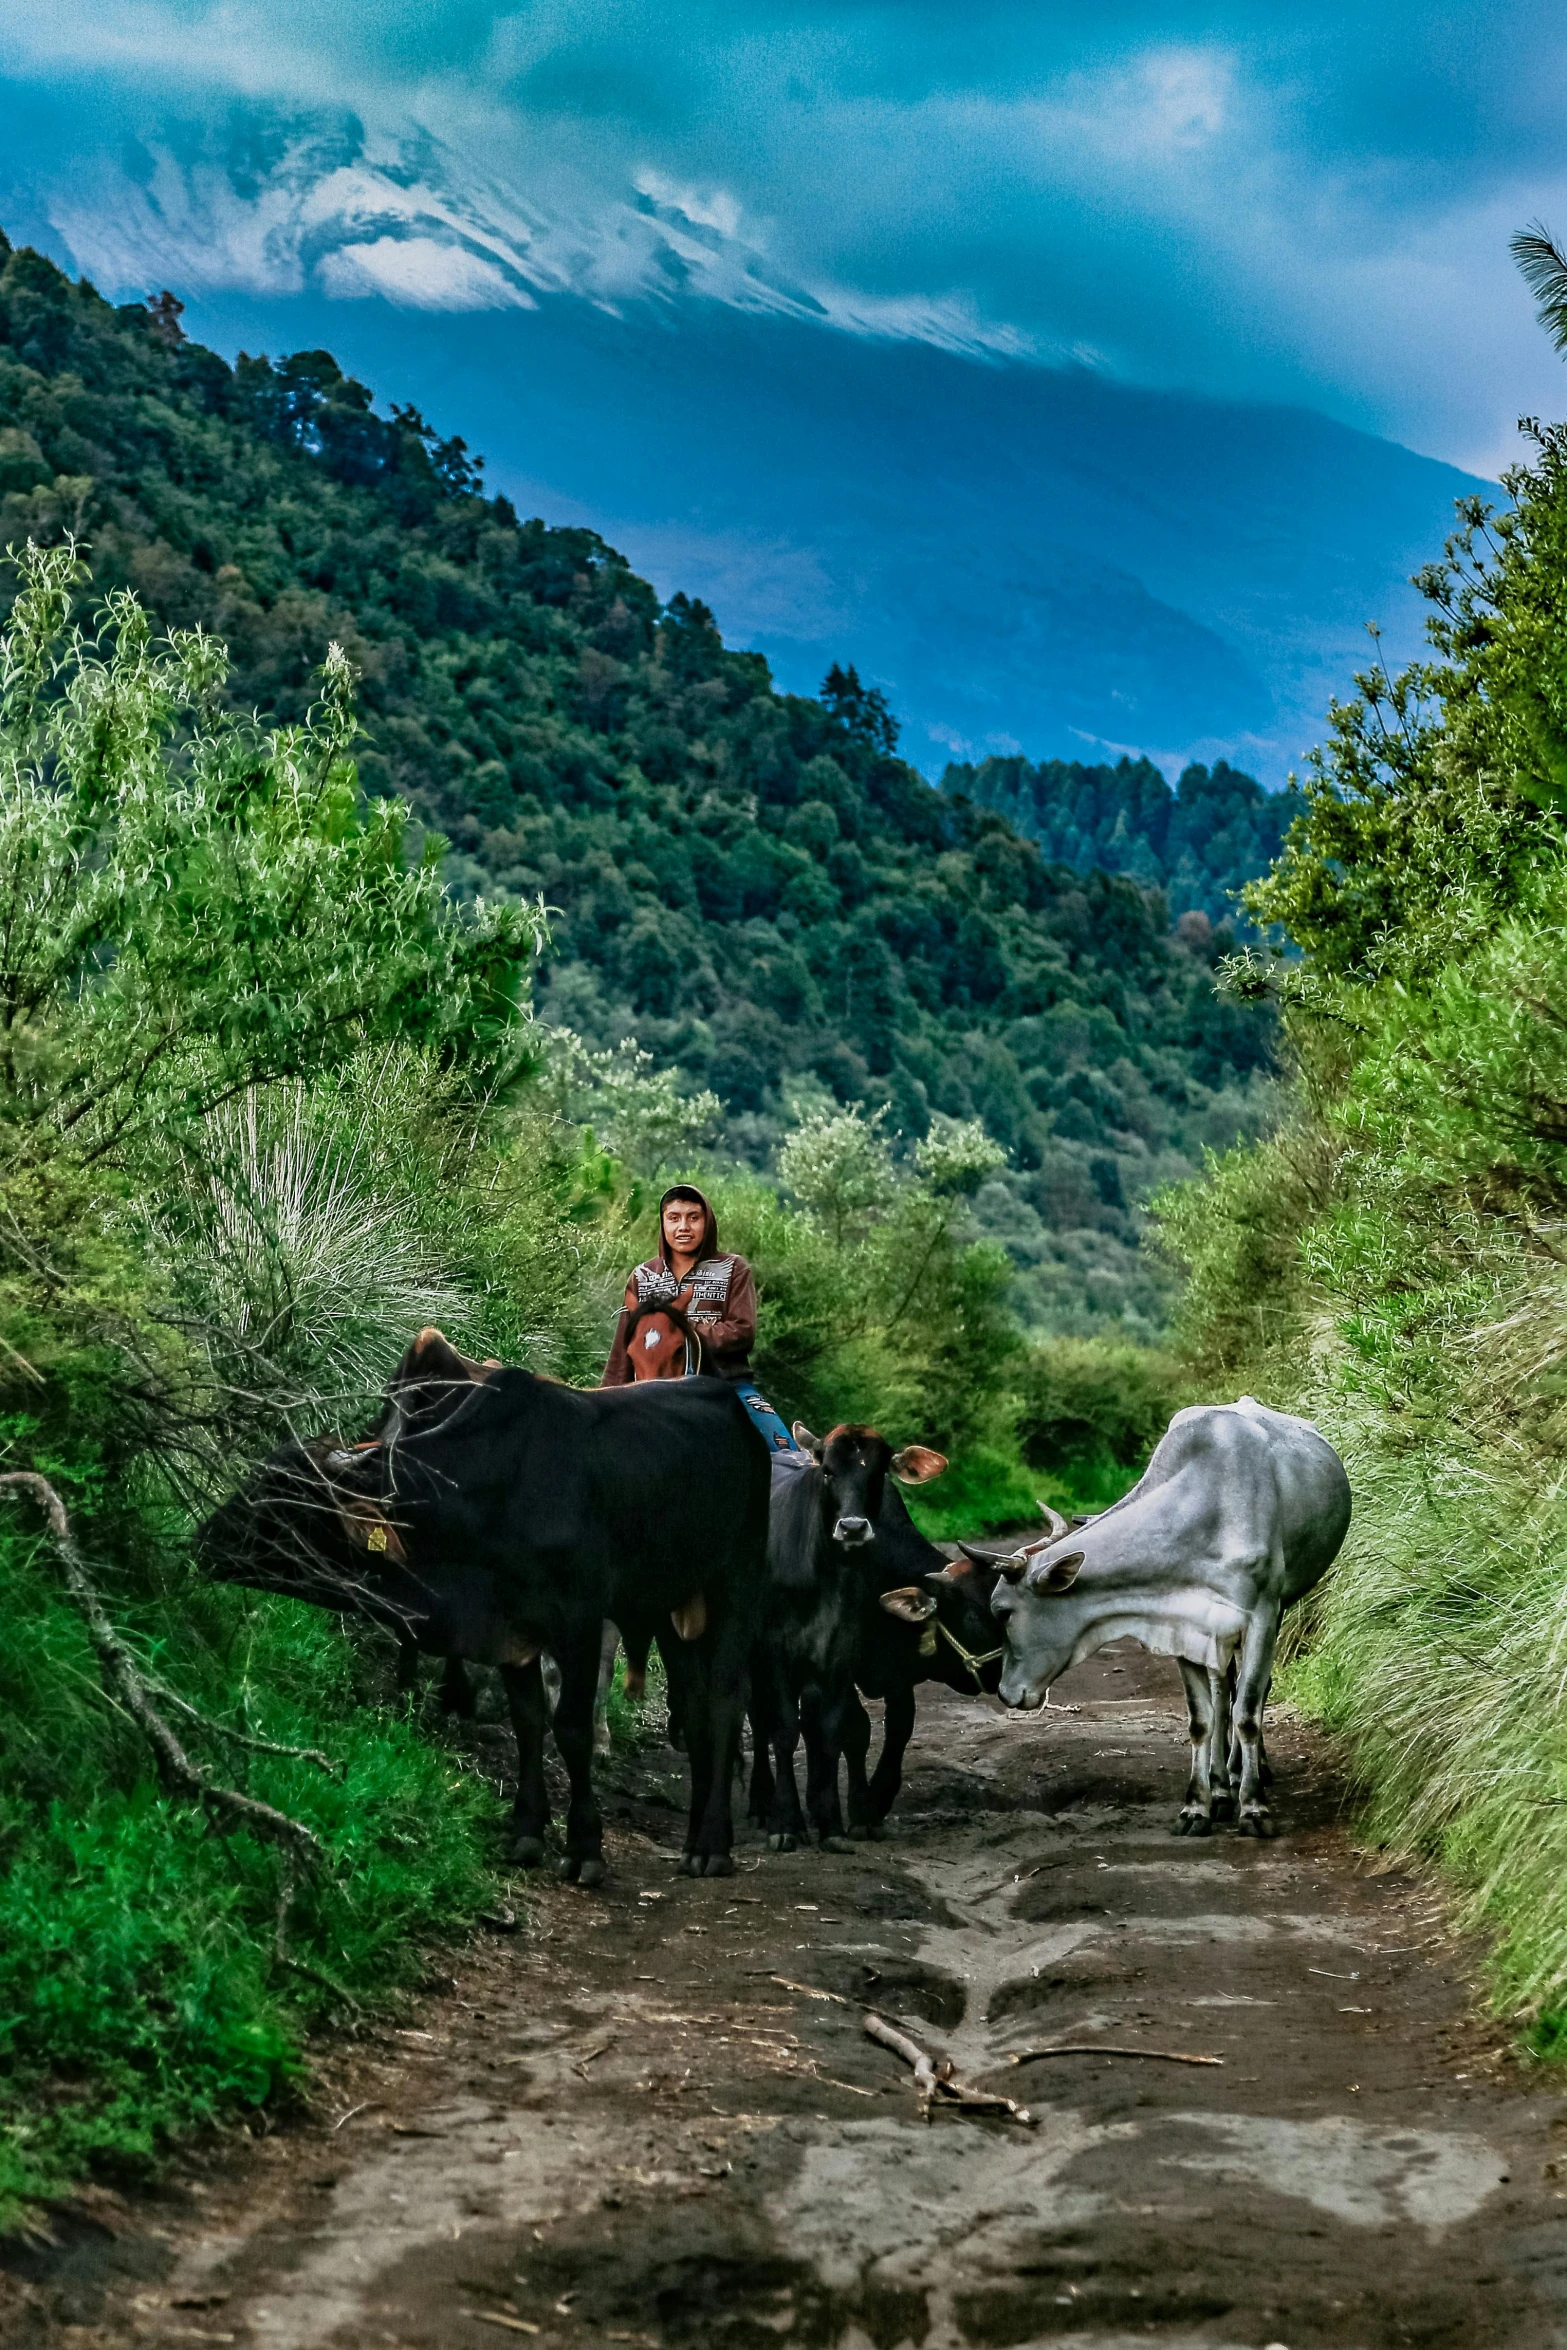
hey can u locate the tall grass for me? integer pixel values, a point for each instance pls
(1439, 1650)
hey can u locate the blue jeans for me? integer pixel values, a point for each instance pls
(764, 1417)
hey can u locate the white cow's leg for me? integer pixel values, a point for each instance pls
(1262, 1747)
(1254, 1672)
(609, 1649)
(1221, 1778)
(1197, 1811)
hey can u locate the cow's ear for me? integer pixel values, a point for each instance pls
(916, 1464)
(1059, 1575)
(806, 1441)
(909, 1606)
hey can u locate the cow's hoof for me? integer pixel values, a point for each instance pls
(1224, 1807)
(592, 1872)
(786, 1842)
(528, 1853)
(720, 1864)
(836, 1844)
(1194, 1823)
(569, 1870)
(1256, 1823)
(690, 1864)
(860, 1834)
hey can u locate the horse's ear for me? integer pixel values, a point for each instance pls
(806, 1441)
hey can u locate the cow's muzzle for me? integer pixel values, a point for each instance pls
(1019, 1692)
(853, 1533)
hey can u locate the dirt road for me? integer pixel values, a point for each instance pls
(638, 2121)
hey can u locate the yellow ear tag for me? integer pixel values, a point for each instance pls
(376, 1538)
(928, 1640)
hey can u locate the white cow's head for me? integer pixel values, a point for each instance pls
(1040, 1633)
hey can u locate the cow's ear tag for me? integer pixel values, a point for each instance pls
(910, 1606)
(1060, 1575)
(376, 1539)
(916, 1464)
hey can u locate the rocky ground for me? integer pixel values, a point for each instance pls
(652, 2115)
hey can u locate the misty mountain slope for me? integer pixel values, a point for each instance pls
(1025, 558)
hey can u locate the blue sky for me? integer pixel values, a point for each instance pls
(1301, 207)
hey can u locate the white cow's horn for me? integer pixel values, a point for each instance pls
(1015, 1567)
(1055, 1524)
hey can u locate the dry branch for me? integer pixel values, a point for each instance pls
(127, 1682)
(936, 2078)
(1103, 2048)
(311, 1754)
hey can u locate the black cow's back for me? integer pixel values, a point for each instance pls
(624, 1500)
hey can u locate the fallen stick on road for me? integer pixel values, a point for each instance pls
(937, 2081)
(809, 1989)
(1103, 2048)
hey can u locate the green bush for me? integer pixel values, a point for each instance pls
(266, 1106)
(1093, 1411)
(1393, 1263)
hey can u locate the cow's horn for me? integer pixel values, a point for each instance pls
(1015, 1567)
(1053, 1519)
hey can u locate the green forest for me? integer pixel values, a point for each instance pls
(1199, 843)
(750, 884)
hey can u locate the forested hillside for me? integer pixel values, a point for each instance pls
(1200, 843)
(1392, 1262)
(755, 885)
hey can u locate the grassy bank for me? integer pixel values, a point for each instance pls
(1392, 1264)
(142, 1986)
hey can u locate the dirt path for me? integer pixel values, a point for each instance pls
(633, 2123)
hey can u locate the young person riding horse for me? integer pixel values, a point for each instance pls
(692, 1310)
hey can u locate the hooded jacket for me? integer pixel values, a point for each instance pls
(718, 1295)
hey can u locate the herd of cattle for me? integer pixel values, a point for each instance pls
(498, 1517)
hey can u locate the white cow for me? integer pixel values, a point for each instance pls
(1239, 1512)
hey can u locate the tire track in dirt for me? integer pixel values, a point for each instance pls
(634, 2123)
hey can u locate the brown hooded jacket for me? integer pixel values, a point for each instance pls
(718, 1295)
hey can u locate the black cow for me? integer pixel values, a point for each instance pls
(494, 1520)
(840, 1538)
(937, 1629)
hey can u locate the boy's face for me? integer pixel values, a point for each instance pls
(684, 1223)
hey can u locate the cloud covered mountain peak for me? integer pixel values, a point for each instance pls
(274, 203)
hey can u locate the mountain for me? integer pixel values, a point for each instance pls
(752, 884)
(1024, 556)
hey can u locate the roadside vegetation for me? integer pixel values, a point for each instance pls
(1394, 1261)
